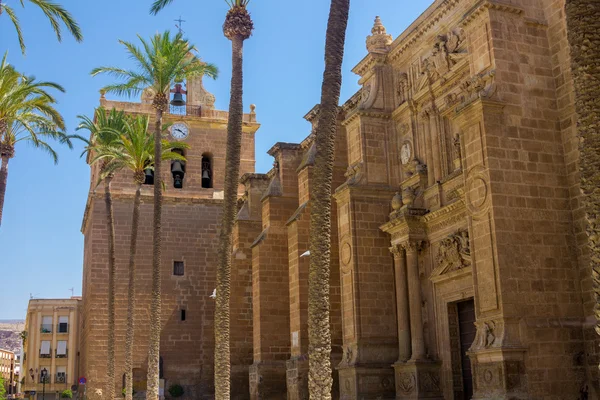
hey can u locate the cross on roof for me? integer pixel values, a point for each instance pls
(180, 24)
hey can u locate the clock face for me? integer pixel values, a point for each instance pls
(405, 153)
(179, 131)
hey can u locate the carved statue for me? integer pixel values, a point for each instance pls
(354, 173)
(402, 88)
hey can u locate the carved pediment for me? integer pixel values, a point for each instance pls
(454, 253)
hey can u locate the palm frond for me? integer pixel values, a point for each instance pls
(15, 21)
(56, 14)
(159, 5)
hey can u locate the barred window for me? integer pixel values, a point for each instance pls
(178, 268)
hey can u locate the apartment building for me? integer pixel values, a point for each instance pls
(51, 347)
(7, 370)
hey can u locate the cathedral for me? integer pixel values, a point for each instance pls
(459, 267)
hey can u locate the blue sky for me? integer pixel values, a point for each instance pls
(41, 246)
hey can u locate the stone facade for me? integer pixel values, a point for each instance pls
(458, 266)
(191, 216)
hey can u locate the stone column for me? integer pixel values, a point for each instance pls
(404, 343)
(428, 148)
(434, 131)
(414, 291)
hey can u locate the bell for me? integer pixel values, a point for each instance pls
(178, 171)
(178, 100)
(205, 174)
(149, 177)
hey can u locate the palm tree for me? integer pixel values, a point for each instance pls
(319, 334)
(584, 35)
(27, 114)
(159, 63)
(134, 151)
(105, 131)
(55, 14)
(238, 27)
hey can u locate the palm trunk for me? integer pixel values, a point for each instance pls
(232, 173)
(319, 350)
(110, 223)
(155, 309)
(3, 181)
(131, 296)
(583, 27)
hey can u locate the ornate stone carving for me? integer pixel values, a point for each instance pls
(354, 173)
(446, 53)
(457, 152)
(402, 129)
(413, 246)
(379, 40)
(396, 202)
(406, 382)
(402, 88)
(490, 334)
(480, 86)
(429, 381)
(396, 251)
(454, 252)
(366, 94)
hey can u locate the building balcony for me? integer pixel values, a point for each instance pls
(45, 379)
(56, 355)
(60, 378)
(48, 355)
(46, 328)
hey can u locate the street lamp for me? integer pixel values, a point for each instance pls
(44, 375)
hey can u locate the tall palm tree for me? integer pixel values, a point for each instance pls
(134, 151)
(319, 334)
(105, 131)
(238, 27)
(583, 29)
(55, 14)
(27, 114)
(159, 63)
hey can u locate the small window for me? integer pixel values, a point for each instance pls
(178, 268)
(63, 324)
(183, 314)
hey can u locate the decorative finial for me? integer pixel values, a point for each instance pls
(253, 108)
(102, 94)
(380, 40)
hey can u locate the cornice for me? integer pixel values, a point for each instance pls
(484, 5)
(364, 192)
(369, 61)
(280, 146)
(366, 113)
(404, 41)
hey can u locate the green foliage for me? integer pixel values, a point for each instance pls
(66, 394)
(159, 63)
(176, 390)
(23, 335)
(27, 109)
(55, 14)
(2, 389)
(124, 392)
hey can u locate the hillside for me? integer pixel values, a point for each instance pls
(10, 338)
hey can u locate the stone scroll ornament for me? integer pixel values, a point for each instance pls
(454, 252)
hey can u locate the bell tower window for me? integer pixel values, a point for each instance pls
(207, 181)
(149, 173)
(178, 170)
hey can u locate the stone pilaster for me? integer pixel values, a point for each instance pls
(402, 307)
